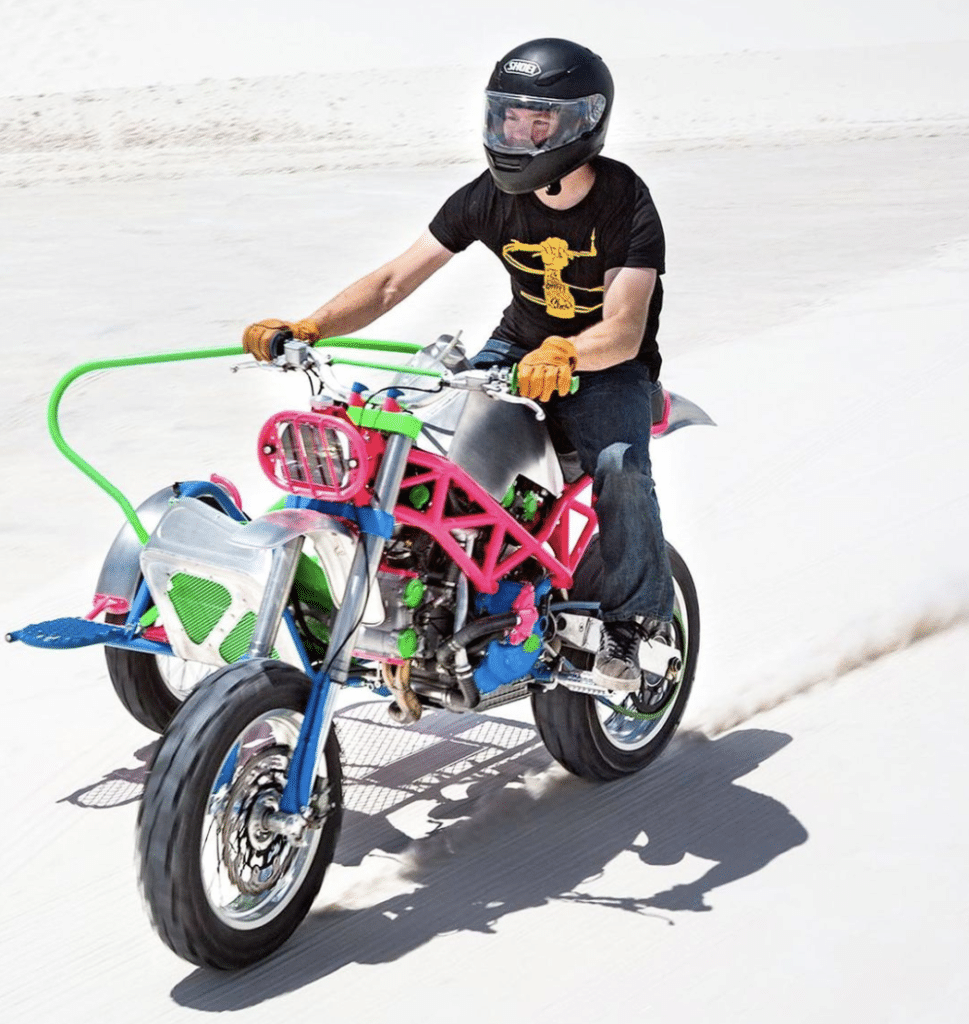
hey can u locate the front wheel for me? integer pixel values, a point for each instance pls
(222, 887)
(603, 739)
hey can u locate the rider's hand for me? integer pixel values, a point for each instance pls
(547, 369)
(257, 338)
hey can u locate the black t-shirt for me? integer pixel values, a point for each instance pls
(558, 259)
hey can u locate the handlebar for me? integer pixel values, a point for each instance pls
(498, 383)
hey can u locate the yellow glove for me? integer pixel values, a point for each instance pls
(547, 369)
(257, 338)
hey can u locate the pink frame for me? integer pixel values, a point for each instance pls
(556, 534)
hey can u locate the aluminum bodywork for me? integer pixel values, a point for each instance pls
(492, 441)
(194, 539)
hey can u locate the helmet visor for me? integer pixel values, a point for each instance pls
(526, 124)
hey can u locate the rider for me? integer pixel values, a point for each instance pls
(583, 244)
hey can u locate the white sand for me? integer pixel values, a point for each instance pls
(799, 855)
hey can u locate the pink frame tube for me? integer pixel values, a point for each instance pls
(552, 545)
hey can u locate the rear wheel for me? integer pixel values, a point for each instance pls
(151, 687)
(607, 738)
(223, 887)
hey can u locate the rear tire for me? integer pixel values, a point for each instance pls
(585, 735)
(151, 687)
(222, 888)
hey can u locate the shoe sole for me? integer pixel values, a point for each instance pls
(611, 683)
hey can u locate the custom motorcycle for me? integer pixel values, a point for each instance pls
(432, 546)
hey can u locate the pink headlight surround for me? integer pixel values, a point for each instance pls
(314, 455)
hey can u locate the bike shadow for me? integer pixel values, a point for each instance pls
(117, 787)
(509, 832)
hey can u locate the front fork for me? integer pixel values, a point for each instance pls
(318, 720)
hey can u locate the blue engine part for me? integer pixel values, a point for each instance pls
(504, 662)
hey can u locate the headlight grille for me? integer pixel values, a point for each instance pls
(313, 455)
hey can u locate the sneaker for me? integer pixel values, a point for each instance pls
(617, 663)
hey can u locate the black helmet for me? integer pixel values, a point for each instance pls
(547, 108)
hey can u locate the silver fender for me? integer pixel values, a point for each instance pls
(121, 571)
(194, 540)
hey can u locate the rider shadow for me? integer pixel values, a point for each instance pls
(520, 841)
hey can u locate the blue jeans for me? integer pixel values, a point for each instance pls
(607, 421)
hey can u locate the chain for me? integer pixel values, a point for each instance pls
(641, 716)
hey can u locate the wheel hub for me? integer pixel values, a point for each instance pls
(256, 856)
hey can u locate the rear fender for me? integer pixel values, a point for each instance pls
(678, 412)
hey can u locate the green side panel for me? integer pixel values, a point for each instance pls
(199, 604)
(310, 585)
(236, 644)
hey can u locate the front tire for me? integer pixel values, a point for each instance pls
(223, 890)
(588, 736)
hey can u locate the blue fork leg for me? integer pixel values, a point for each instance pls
(321, 707)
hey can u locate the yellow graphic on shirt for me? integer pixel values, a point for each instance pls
(555, 255)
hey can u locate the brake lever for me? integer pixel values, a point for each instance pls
(500, 395)
(252, 364)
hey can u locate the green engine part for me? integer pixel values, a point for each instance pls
(407, 643)
(414, 593)
(419, 496)
(530, 506)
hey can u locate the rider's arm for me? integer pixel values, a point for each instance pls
(378, 292)
(618, 335)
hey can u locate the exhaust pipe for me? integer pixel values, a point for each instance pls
(465, 696)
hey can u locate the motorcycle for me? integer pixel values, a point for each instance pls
(432, 546)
